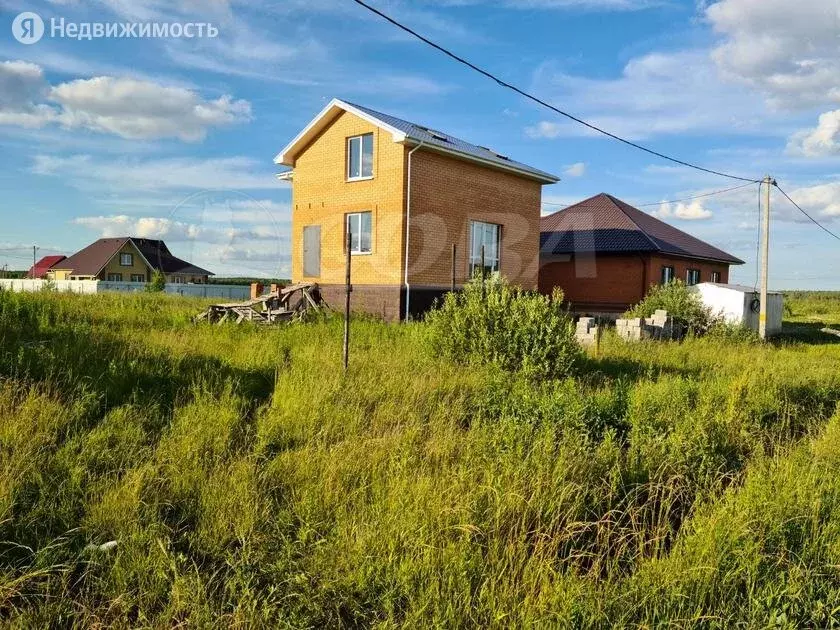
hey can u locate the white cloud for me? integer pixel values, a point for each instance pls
(545, 129)
(822, 140)
(578, 169)
(177, 231)
(788, 50)
(657, 93)
(693, 211)
(821, 200)
(129, 108)
(168, 176)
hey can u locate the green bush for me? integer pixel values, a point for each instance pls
(681, 302)
(508, 327)
(158, 283)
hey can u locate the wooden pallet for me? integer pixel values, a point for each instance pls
(291, 303)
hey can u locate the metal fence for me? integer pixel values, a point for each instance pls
(89, 287)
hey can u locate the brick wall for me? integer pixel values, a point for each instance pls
(682, 265)
(609, 282)
(447, 194)
(323, 196)
(614, 282)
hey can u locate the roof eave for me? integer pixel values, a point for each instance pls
(287, 156)
(540, 176)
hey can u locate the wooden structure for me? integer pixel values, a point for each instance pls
(282, 305)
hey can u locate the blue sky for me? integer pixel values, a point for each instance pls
(174, 138)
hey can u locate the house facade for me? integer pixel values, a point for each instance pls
(127, 259)
(605, 254)
(419, 205)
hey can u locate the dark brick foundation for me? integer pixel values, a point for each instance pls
(385, 301)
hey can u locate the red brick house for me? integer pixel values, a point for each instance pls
(605, 254)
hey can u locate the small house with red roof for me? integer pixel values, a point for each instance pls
(41, 268)
(605, 254)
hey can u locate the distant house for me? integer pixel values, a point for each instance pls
(604, 254)
(408, 194)
(40, 269)
(127, 259)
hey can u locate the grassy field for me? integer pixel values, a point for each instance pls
(156, 473)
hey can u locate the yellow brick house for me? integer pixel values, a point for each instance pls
(418, 203)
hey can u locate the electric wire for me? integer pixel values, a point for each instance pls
(539, 101)
(657, 203)
(812, 219)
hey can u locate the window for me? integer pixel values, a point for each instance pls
(489, 235)
(114, 277)
(360, 157)
(359, 224)
(716, 276)
(138, 277)
(667, 275)
(178, 279)
(692, 277)
(127, 260)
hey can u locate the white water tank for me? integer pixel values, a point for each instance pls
(739, 304)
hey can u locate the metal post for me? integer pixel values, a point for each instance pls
(348, 288)
(483, 287)
(765, 258)
(454, 258)
(34, 260)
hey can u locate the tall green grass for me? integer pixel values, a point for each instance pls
(247, 481)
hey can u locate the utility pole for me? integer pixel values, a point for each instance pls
(765, 257)
(348, 289)
(34, 259)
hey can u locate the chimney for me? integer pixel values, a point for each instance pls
(256, 290)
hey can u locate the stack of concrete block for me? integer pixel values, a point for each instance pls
(587, 331)
(660, 326)
(632, 329)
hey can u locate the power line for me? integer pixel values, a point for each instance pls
(813, 220)
(657, 203)
(539, 101)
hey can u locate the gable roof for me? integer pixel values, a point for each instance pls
(608, 225)
(40, 268)
(411, 134)
(91, 260)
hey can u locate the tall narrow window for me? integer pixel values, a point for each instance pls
(692, 277)
(716, 276)
(360, 226)
(490, 236)
(360, 157)
(667, 274)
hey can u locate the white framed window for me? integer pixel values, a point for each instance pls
(716, 276)
(138, 277)
(692, 277)
(114, 277)
(488, 235)
(126, 260)
(178, 279)
(360, 157)
(360, 227)
(667, 274)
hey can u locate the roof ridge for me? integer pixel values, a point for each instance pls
(618, 203)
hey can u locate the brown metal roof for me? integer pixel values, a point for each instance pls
(93, 258)
(604, 224)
